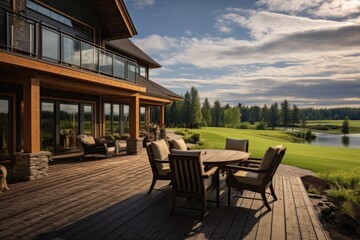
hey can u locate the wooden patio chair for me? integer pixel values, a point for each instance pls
(237, 144)
(190, 180)
(258, 178)
(158, 158)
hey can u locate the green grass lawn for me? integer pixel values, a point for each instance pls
(315, 158)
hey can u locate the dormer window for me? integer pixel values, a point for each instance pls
(142, 71)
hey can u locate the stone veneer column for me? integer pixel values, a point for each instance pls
(134, 146)
(31, 166)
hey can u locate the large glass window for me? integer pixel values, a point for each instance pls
(119, 67)
(69, 125)
(5, 128)
(142, 118)
(116, 119)
(131, 70)
(47, 126)
(86, 119)
(50, 44)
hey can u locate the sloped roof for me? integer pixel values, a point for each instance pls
(129, 49)
(156, 90)
(115, 18)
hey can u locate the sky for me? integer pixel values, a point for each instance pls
(254, 52)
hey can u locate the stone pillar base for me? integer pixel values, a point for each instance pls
(134, 146)
(31, 166)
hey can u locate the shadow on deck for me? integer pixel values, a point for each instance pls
(106, 199)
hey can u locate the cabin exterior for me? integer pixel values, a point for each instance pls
(67, 68)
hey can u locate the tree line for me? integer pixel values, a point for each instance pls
(286, 115)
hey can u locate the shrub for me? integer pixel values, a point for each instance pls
(313, 190)
(309, 135)
(192, 138)
(244, 125)
(260, 126)
(347, 208)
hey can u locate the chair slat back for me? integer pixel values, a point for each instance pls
(237, 144)
(151, 158)
(186, 172)
(276, 162)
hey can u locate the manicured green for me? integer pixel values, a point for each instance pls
(316, 158)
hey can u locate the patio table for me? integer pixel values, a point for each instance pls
(222, 157)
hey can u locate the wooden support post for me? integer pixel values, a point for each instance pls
(134, 117)
(162, 116)
(148, 118)
(31, 118)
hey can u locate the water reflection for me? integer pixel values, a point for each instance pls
(336, 140)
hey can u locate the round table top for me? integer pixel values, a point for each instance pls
(223, 156)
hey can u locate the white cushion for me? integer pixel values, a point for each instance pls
(179, 144)
(268, 157)
(236, 144)
(87, 139)
(163, 168)
(160, 149)
(248, 178)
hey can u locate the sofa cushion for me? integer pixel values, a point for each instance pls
(160, 149)
(87, 139)
(179, 144)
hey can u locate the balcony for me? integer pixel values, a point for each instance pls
(36, 39)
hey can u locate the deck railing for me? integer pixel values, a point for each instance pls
(39, 40)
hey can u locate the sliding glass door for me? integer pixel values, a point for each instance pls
(5, 127)
(62, 122)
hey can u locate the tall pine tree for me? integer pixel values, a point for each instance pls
(206, 113)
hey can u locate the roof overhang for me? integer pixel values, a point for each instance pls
(115, 19)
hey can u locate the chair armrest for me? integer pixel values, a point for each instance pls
(210, 172)
(249, 169)
(255, 158)
(246, 162)
(161, 161)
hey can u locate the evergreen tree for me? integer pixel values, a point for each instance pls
(236, 116)
(295, 116)
(186, 108)
(345, 129)
(265, 114)
(206, 113)
(195, 113)
(216, 114)
(274, 115)
(285, 113)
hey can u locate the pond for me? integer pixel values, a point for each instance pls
(336, 140)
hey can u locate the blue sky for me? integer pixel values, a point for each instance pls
(254, 52)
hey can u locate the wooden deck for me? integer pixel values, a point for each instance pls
(106, 199)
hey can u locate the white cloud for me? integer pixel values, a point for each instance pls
(143, 3)
(315, 8)
(286, 56)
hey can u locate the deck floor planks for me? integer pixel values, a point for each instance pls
(278, 226)
(108, 198)
(313, 217)
(306, 227)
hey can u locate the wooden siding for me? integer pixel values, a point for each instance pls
(106, 199)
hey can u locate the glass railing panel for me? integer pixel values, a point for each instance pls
(105, 62)
(70, 51)
(3, 34)
(131, 70)
(119, 67)
(50, 44)
(89, 57)
(22, 35)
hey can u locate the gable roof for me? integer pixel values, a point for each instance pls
(115, 18)
(129, 49)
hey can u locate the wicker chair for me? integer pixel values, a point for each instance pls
(159, 163)
(189, 179)
(257, 178)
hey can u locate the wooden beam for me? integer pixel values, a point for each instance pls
(154, 99)
(162, 116)
(39, 65)
(148, 117)
(134, 117)
(31, 116)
